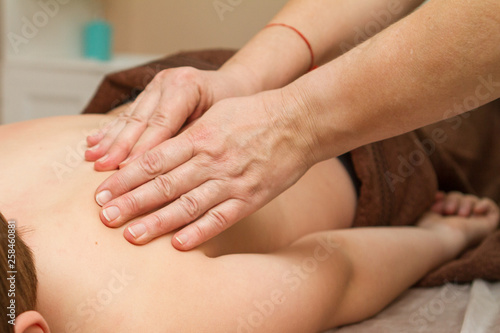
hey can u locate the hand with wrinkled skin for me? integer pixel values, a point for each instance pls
(398, 81)
(207, 174)
(174, 97)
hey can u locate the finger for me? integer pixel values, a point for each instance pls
(128, 161)
(99, 150)
(108, 133)
(151, 138)
(179, 213)
(438, 207)
(466, 205)
(482, 206)
(157, 192)
(492, 210)
(94, 139)
(135, 124)
(171, 113)
(152, 164)
(210, 225)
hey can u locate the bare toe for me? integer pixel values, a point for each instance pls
(468, 215)
(489, 209)
(466, 204)
(482, 206)
(452, 202)
(438, 207)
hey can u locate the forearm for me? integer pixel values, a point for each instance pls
(434, 64)
(276, 56)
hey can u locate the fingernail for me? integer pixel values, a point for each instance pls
(95, 147)
(111, 213)
(125, 162)
(104, 158)
(182, 238)
(137, 230)
(103, 197)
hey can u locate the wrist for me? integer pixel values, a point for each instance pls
(272, 59)
(319, 118)
(293, 117)
(236, 80)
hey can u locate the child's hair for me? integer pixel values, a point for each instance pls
(22, 289)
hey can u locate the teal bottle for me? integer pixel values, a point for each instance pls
(98, 40)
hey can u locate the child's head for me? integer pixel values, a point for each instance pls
(17, 290)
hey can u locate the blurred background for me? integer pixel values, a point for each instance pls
(46, 69)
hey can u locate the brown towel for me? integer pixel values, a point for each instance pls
(120, 87)
(399, 176)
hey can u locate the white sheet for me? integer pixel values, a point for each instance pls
(471, 308)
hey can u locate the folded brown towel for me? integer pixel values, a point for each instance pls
(120, 87)
(399, 176)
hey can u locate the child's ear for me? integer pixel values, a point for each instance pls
(31, 322)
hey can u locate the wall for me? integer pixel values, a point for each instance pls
(2, 56)
(46, 28)
(166, 26)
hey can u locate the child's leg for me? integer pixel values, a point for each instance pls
(339, 277)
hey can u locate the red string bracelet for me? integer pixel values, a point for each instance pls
(312, 66)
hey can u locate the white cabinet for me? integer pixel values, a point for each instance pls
(42, 70)
(37, 88)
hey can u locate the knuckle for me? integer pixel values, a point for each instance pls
(152, 162)
(245, 188)
(136, 119)
(190, 205)
(203, 162)
(163, 186)
(198, 231)
(186, 74)
(251, 190)
(195, 141)
(218, 219)
(122, 145)
(119, 184)
(123, 116)
(161, 75)
(212, 150)
(158, 224)
(159, 119)
(130, 203)
(159, 78)
(151, 85)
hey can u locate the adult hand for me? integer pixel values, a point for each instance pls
(236, 158)
(173, 97)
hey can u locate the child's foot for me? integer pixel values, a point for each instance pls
(472, 217)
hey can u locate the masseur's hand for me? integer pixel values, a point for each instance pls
(240, 155)
(174, 97)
